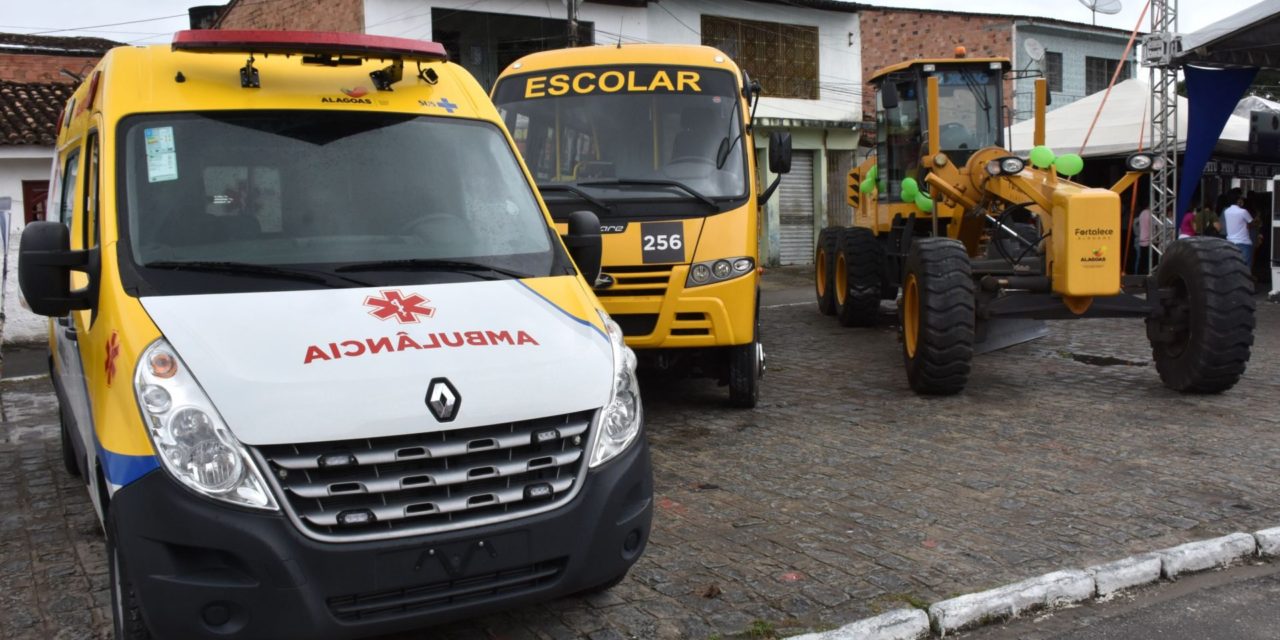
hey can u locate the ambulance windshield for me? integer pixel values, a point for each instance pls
(634, 132)
(329, 192)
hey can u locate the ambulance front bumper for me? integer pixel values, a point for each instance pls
(205, 570)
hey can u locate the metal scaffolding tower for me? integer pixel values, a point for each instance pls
(1159, 51)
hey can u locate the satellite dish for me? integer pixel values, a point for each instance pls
(1107, 7)
(1033, 48)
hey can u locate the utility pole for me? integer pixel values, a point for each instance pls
(573, 22)
(1159, 51)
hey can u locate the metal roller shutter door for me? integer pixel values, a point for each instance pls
(796, 209)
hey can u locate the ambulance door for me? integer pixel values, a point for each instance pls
(70, 371)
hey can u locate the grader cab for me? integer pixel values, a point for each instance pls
(983, 245)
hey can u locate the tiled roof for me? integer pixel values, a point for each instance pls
(54, 45)
(29, 111)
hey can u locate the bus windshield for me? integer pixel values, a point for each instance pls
(637, 132)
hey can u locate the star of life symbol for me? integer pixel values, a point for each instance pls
(394, 304)
(113, 351)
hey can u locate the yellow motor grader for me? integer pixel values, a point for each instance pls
(984, 245)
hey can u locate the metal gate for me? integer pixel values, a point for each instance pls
(796, 209)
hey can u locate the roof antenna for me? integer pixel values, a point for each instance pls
(619, 32)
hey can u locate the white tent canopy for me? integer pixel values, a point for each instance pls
(1249, 104)
(1125, 118)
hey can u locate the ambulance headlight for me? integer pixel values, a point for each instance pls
(620, 421)
(193, 443)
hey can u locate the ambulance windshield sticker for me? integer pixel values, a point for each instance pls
(162, 160)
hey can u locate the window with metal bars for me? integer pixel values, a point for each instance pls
(1098, 72)
(783, 57)
(1053, 70)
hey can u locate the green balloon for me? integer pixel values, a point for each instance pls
(909, 189)
(1069, 164)
(924, 203)
(874, 172)
(867, 185)
(1042, 157)
(884, 184)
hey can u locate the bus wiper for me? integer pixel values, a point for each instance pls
(250, 269)
(657, 183)
(577, 192)
(433, 264)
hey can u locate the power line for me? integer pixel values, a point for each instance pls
(99, 26)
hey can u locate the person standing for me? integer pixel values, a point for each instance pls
(1207, 223)
(1187, 229)
(1141, 240)
(1239, 225)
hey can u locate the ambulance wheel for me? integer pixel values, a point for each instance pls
(126, 613)
(1201, 342)
(937, 316)
(69, 461)
(824, 270)
(859, 277)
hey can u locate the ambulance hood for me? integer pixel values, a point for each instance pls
(337, 364)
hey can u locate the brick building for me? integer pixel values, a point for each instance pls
(1077, 59)
(37, 76)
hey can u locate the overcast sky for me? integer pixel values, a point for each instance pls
(160, 18)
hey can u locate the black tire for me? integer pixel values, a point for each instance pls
(1001, 239)
(937, 316)
(861, 261)
(69, 457)
(824, 270)
(1202, 342)
(744, 370)
(127, 621)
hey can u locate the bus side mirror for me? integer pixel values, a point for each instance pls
(779, 152)
(45, 263)
(889, 96)
(583, 241)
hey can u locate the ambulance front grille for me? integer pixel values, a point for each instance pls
(375, 488)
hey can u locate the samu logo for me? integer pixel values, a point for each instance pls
(442, 103)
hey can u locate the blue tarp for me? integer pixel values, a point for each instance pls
(1211, 96)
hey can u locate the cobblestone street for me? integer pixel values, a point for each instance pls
(842, 495)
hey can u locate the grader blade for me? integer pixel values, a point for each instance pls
(1001, 333)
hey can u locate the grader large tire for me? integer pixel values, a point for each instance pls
(859, 277)
(1202, 343)
(937, 316)
(824, 270)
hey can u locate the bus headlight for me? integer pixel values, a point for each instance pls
(193, 443)
(621, 418)
(713, 271)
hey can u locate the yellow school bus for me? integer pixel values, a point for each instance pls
(656, 140)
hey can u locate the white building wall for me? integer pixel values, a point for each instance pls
(673, 22)
(18, 164)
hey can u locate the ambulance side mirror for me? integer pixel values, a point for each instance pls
(583, 241)
(45, 263)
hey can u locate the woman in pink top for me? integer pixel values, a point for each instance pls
(1188, 227)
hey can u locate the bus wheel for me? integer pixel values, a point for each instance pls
(745, 362)
(937, 316)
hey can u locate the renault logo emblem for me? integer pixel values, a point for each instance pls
(443, 400)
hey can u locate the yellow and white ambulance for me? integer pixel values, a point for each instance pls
(656, 140)
(324, 364)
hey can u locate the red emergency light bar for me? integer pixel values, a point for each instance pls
(308, 42)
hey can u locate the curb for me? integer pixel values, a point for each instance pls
(1057, 588)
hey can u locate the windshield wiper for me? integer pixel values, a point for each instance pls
(657, 183)
(250, 269)
(432, 264)
(577, 192)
